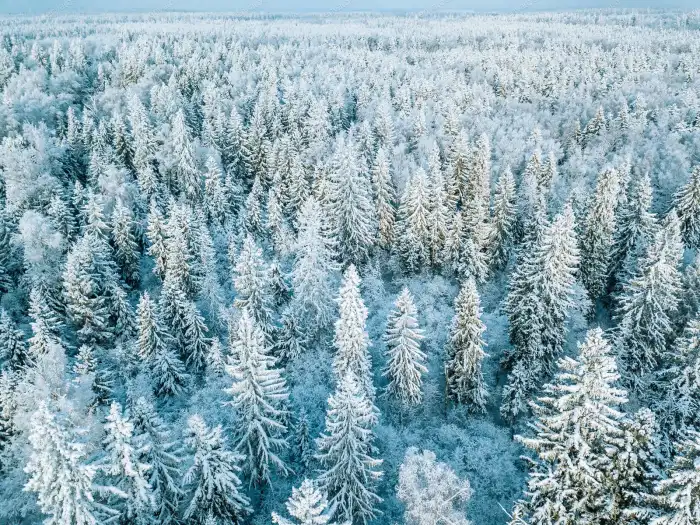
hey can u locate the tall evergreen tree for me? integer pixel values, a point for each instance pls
(13, 350)
(384, 197)
(259, 394)
(465, 351)
(307, 505)
(128, 474)
(345, 453)
(126, 251)
(405, 359)
(352, 217)
(252, 284)
(314, 267)
(598, 231)
(213, 476)
(648, 304)
(351, 339)
(578, 423)
(413, 225)
(503, 221)
(688, 209)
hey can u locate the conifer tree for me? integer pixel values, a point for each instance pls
(255, 148)
(214, 193)
(259, 393)
(128, 474)
(413, 222)
(351, 339)
(291, 336)
(253, 209)
(125, 246)
(157, 240)
(384, 197)
(185, 176)
(594, 127)
(598, 230)
(213, 476)
(405, 359)
(679, 494)
(636, 226)
(46, 326)
(313, 267)
(164, 455)
(578, 423)
(59, 474)
(8, 406)
(5, 254)
(307, 505)
(13, 350)
(503, 222)
(453, 242)
(215, 358)
(303, 445)
(252, 284)
(648, 304)
(539, 299)
(465, 379)
(439, 217)
(61, 216)
(688, 209)
(352, 216)
(345, 453)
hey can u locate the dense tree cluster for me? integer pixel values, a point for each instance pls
(320, 269)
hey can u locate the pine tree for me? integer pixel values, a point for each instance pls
(384, 197)
(46, 326)
(648, 304)
(215, 359)
(679, 494)
(351, 339)
(255, 148)
(405, 359)
(439, 217)
(345, 452)
(313, 268)
(86, 288)
(61, 216)
(548, 173)
(127, 472)
(307, 505)
(303, 445)
(352, 216)
(8, 407)
(85, 362)
(164, 455)
(122, 141)
(185, 176)
(181, 251)
(125, 246)
(213, 475)
(13, 350)
(413, 222)
(598, 231)
(157, 240)
(464, 376)
(252, 284)
(233, 145)
(503, 222)
(541, 293)
(291, 338)
(253, 209)
(578, 423)
(688, 209)
(259, 393)
(59, 474)
(636, 226)
(5, 254)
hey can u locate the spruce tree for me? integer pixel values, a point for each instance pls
(413, 225)
(184, 176)
(8, 406)
(126, 252)
(384, 197)
(439, 217)
(13, 350)
(352, 216)
(348, 470)
(598, 231)
(60, 475)
(307, 506)
(503, 221)
(252, 284)
(648, 304)
(688, 209)
(165, 456)
(156, 235)
(128, 474)
(540, 295)
(465, 351)
(259, 394)
(405, 359)
(213, 476)
(351, 340)
(679, 494)
(578, 424)
(314, 267)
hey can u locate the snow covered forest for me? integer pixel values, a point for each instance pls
(350, 268)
